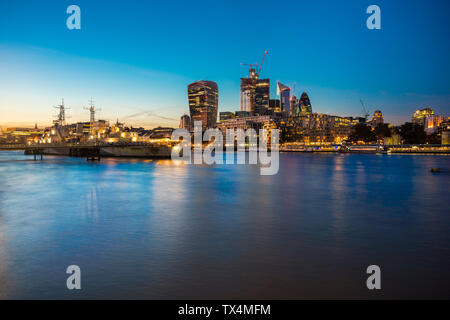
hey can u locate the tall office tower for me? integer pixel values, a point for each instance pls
(255, 95)
(203, 99)
(185, 122)
(377, 118)
(247, 90)
(304, 104)
(285, 97)
(294, 106)
(262, 96)
(275, 105)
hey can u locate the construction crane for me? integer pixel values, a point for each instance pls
(253, 67)
(251, 71)
(260, 66)
(366, 112)
(252, 83)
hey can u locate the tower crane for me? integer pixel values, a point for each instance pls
(366, 112)
(252, 83)
(260, 66)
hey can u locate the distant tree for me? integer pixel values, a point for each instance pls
(434, 138)
(394, 139)
(362, 132)
(382, 131)
(412, 133)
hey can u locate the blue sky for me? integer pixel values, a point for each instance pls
(134, 56)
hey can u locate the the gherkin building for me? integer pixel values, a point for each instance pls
(304, 104)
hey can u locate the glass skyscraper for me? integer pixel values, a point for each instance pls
(262, 96)
(285, 97)
(203, 99)
(304, 104)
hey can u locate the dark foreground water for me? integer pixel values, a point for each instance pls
(156, 229)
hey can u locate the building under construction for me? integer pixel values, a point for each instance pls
(255, 92)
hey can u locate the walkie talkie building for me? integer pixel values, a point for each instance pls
(203, 99)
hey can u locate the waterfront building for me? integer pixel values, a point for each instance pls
(203, 97)
(22, 135)
(244, 123)
(356, 120)
(432, 123)
(445, 137)
(284, 92)
(242, 114)
(315, 128)
(420, 115)
(377, 118)
(225, 116)
(161, 133)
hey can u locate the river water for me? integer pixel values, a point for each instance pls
(162, 230)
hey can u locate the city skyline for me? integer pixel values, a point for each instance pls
(332, 57)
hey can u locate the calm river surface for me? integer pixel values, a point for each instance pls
(157, 229)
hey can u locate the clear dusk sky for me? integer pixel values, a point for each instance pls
(134, 57)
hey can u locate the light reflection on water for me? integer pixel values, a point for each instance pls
(159, 229)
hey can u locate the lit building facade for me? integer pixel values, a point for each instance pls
(285, 97)
(185, 122)
(315, 128)
(304, 104)
(420, 115)
(262, 96)
(227, 115)
(203, 99)
(275, 105)
(255, 95)
(432, 123)
(246, 92)
(294, 106)
(377, 118)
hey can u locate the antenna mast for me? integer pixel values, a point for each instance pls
(61, 116)
(92, 111)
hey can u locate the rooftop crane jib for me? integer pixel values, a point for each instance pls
(260, 66)
(254, 76)
(366, 112)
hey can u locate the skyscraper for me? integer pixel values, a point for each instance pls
(246, 94)
(304, 104)
(274, 105)
(294, 106)
(255, 95)
(262, 96)
(185, 122)
(203, 99)
(285, 97)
